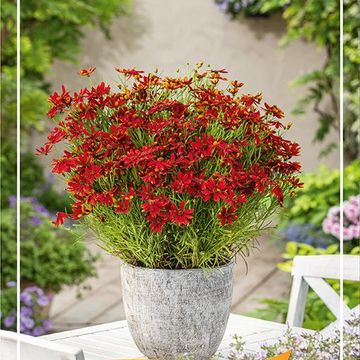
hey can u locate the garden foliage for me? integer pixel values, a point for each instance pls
(34, 302)
(50, 258)
(319, 22)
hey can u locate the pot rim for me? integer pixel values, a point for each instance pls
(142, 268)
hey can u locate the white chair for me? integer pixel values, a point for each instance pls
(32, 348)
(311, 271)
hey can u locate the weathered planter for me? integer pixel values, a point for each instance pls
(177, 313)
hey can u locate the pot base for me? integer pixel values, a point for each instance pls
(174, 314)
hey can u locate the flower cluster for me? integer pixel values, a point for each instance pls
(309, 234)
(170, 149)
(40, 212)
(32, 302)
(304, 346)
(351, 228)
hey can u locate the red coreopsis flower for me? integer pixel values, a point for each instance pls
(64, 165)
(44, 150)
(217, 191)
(278, 194)
(56, 135)
(130, 72)
(182, 181)
(156, 206)
(180, 215)
(60, 218)
(124, 205)
(163, 143)
(227, 215)
(60, 102)
(156, 223)
(87, 72)
(274, 110)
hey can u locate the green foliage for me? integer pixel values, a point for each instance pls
(351, 78)
(7, 305)
(33, 181)
(49, 30)
(320, 192)
(50, 258)
(319, 22)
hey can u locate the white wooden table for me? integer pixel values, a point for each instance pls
(113, 340)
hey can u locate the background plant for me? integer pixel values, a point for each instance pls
(320, 192)
(49, 30)
(319, 22)
(50, 258)
(33, 301)
(197, 173)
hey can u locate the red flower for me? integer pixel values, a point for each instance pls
(60, 218)
(156, 206)
(156, 223)
(227, 216)
(87, 72)
(180, 215)
(44, 150)
(169, 142)
(129, 72)
(274, 110)
(182, 181)
(278, 194)
(217, 191)
(123, 206)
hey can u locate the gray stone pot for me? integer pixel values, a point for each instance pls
(177, 313)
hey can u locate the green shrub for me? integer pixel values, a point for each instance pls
(50, 258)
(319, 22)
(320, 192)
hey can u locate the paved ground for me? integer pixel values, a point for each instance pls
(103, 302)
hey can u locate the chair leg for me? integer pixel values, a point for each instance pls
(298, 295)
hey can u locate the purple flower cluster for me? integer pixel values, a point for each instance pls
(306, 233)
(40, 211)
(351, 229)
(233, 6)
(32, 301)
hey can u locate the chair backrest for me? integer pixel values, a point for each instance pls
(311, 271)
(32, 348)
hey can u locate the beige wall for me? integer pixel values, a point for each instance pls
(168, 33)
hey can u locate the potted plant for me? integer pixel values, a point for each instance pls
(50, 258)
(176, 177)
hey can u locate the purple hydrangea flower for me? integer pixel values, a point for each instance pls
(26, 298)
(27, 322)
(43, 300)
(12, 201)
(47, 324)
(26, 311)
(9, 320)
(38, 331)
(35, 221)
(11, 284)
